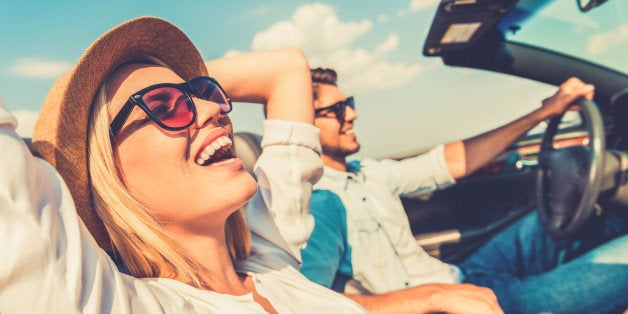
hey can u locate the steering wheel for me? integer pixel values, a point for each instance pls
(569, 179)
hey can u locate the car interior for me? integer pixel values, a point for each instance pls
(451, 223)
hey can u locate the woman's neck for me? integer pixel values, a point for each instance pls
(210, 252)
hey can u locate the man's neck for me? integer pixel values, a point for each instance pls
(337, 163)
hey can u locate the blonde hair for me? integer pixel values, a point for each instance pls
(144, 245)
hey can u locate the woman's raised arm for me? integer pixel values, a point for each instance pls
(278, 78)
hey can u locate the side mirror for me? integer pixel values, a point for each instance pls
(586, 5)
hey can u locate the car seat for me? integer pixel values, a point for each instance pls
(248, 148)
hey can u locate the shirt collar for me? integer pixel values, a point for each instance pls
(344, 177)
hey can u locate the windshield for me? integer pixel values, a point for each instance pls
(599, 36)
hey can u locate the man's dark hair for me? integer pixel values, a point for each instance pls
(322, 76)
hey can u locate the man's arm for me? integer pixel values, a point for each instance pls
(465, 157)
(430, 298)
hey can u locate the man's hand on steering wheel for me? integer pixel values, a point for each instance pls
(570, 90)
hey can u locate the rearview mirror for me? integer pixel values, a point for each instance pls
(586, 5)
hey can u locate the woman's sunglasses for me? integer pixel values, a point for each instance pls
(339, 109)
(170, 105)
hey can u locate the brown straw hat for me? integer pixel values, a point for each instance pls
(60, 135)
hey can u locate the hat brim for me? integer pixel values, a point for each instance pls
(60, 135)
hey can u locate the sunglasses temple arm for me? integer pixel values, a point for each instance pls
(119, 120)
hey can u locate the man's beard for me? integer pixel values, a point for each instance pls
(339, 151)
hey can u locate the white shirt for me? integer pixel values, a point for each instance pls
(384, 254)
(49, 262)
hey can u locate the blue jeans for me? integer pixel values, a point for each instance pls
(531, 272)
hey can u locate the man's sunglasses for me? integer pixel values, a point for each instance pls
(339, 109)
(170, 105)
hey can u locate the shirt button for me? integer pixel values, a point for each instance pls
(363, 199)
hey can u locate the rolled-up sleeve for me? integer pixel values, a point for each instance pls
(287, 169)
(421, 174)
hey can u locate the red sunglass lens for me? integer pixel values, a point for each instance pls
(170, 105)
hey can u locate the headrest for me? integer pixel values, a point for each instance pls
(248, 148)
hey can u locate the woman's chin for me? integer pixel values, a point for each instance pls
(250, 186)
(245, 189)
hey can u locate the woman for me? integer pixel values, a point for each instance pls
(140, 135)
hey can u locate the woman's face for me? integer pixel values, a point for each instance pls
(160, 168)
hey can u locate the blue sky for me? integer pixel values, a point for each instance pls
(405, 100)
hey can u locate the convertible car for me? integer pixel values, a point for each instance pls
(568, 169)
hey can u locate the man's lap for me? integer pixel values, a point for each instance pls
(531, 271)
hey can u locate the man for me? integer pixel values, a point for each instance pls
(362, 242)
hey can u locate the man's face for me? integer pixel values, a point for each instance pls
(337, 137)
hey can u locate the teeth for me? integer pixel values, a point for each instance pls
(207, 153)
(228, 161)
